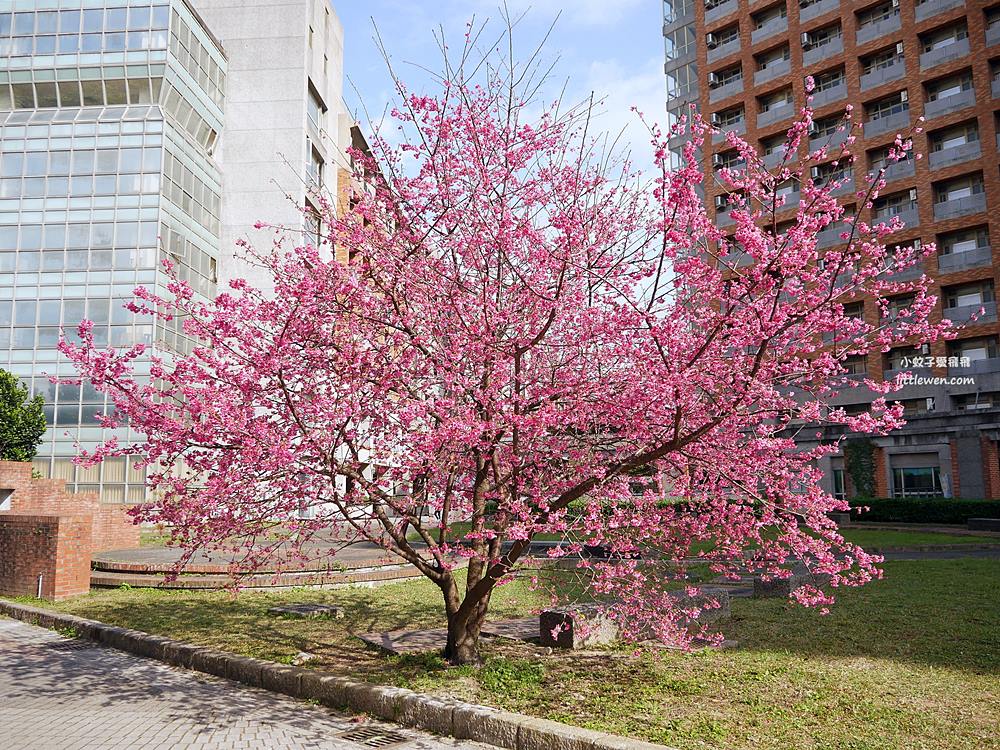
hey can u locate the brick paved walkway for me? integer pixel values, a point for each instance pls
(65, 694)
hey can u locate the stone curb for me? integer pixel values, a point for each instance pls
(435, 714)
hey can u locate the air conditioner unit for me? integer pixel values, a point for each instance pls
(895, 3)
(916, 245)
(806, 40)
(899, 48)
(710, 41)
(720, 203)
(716, 122)
(713, 81)
(904, 96)
(913, 194)
(925, 348)
(814, 171)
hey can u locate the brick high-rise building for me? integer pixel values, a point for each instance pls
(744, 63)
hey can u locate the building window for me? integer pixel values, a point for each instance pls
(776, 101)
(968, 295)
(891, 105)
(885, 207)
(315, 109)
(880, 12)
(839, 485)
(944, 37)
(964, 240)
(977, 401)
(723, 77)
(950, 86)
(883, 59)
(722, 37)
(682, 81)
(855, 365)
(679, 42)
(958, 188)
(922, 481)
(953, 137)
(728, 118)
(821, 37)
(828, 80)
(973, 350)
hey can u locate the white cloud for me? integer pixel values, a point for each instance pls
(583, 12)
(622, 88)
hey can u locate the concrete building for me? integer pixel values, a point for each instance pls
(744, 63)
(133, 131)
(283, 115)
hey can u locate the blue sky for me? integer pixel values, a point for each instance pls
(611, 47)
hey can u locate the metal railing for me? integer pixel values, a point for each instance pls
(960, 48)
(954, 155)
(971, 204)
(975, 258)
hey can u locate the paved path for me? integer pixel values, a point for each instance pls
(65, 694)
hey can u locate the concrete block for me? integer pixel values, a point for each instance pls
(282, 679)
(578, 627)
(179, 654)
(775, 587)
(617, 742)
(427, 712)
(210, 661)
(542, 734)
(246, 670)
(376, 700)
(328, 689)
(484, 724)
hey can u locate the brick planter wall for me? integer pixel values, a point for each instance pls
(111, 526)
(58, 548)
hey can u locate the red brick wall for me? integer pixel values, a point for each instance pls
(112, 528)
(56, 547)
(881, 483)
(956, 488)
(991, 468)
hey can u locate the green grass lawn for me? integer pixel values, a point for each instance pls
(909, 663)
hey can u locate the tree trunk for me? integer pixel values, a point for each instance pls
(463, 639)
(465, 621)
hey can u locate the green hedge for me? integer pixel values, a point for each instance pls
(912, 510)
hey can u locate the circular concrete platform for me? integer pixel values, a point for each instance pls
(329, 563)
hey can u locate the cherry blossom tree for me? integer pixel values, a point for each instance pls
(531, 336)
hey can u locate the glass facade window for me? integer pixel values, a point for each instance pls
(84, 210)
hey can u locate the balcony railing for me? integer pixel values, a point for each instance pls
(772, 71)
(954, 155)
(817, 9)
(814, 55)
(832, 141)
(729, 89)
(941, 55)
(847, 186)
(991, 364)
(963, 313)
(949, 104)
(993, 34)
(909, 216)
(737, 127)
(970, 204)
(896, 121)
(724, 50)
(737, 260)
(721, 11)
(899, 170)
(909, 273)
(883, 75)
(830, 236)
(878, 29)
(930, 8)
(832, 94)
(774, 26)
(975, 258)
(773, 159)
(775, 114)
(722, 218)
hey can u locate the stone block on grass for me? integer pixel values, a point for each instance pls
(311, 611)
(579, 627)
(179, 654)
(774, 588)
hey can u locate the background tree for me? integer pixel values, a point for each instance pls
(22, 420)
(526, 324)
